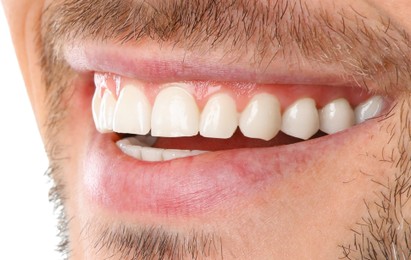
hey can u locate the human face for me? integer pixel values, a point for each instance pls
(182, 67)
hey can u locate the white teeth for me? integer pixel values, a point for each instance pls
(137, 147)
(175, 113)
(369, 109)
(301, 119)
(175, 154)
(219, 118)
(108, 104)
(261, 118)
(336, 116)
(133, 112)
(96, 104)
(131, 150)
(149, 154)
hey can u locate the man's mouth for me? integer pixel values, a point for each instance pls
(167, 121)
(177, 138)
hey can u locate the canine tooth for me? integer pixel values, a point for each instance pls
(171, 154)
(369, 109)
(132, 114)
(336, 116)
(261, 118)
(301, 119)
(219, 118)
(150, 154)
(95, 107)
(175, 113)
(108, 104)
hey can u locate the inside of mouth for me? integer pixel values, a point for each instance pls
(198, 142)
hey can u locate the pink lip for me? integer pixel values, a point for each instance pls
(193, 185)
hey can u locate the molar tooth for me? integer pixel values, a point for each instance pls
(175, 113)
(219, 118)
(336, 116)
(133, 112)
(108, 104)
(301, 119)
(369, 109)
(95, 107)
(150, 154)
(261, 118)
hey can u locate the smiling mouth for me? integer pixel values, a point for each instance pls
(183, 141)
(175, 120)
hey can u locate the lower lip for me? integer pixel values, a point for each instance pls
(193, 185)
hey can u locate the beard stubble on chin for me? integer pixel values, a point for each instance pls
(385, 233)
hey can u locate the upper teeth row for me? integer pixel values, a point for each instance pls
(175, 113)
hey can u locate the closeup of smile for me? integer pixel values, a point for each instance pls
(182, 141)
(215, 129)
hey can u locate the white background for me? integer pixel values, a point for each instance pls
(27, 222)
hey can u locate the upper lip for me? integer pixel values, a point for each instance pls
(161, 66)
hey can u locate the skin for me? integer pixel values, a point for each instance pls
(319, 212)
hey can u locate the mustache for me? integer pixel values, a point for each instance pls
(365, 49)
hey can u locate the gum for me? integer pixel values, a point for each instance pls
(242, 92)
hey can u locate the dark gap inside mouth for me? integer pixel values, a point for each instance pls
(237, 141)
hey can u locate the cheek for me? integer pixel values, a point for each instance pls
(398, 10)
